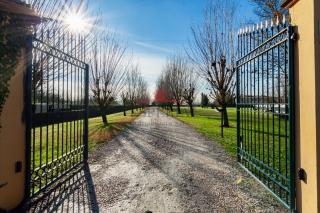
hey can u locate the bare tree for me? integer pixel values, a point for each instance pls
(143, 98)
(132, 84)
(175, 70)
(137, 89)
(204, 100)
(190, 91)
(107, 72)
(212, 50)
(124, 98)
(269, 9)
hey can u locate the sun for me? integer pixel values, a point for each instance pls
(75, 22)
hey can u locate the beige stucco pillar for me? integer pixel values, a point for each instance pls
(12, 142)
(13, 125)
(305, 16)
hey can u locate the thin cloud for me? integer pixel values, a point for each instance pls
(153, 47)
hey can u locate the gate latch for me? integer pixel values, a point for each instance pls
(302, 175)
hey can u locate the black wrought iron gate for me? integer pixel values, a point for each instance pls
(57, 108)
(265, 107)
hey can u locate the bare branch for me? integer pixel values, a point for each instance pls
(212, 50)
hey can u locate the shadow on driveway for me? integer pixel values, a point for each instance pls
(75, 193)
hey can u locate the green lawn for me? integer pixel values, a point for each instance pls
(208, 121)
(57, 140)
(98, 133)
(265, 137)
(56, 148)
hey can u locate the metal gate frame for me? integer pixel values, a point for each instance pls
(59, 115)
(254, 47)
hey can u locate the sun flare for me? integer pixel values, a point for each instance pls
(75, 22)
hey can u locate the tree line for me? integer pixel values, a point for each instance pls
(211, 55)
(114, 77)
(177, 84)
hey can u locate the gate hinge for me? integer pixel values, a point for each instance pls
(302, 175)
(294, 36)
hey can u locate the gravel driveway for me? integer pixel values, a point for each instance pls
(161, 165)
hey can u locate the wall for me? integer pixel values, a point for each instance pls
(12, 142)
(305, 14)
(317, 70)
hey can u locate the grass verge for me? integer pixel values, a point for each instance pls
(100, 133)
(207, 121)
(53, 141)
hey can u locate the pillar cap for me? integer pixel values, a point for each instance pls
(20, 10)
(288, 3)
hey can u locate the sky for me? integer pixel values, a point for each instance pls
(153, 30)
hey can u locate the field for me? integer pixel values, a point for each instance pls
(208, 122)
(265, 136)
(47, 146)
(98, 133)
(265, 146)
(57, 148)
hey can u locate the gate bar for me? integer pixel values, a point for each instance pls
(86, 103)
(291, 118)
(28, 117)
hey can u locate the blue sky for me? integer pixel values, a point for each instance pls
(155, 29)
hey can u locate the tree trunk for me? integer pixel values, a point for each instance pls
(103, 115)
(179, 110)
(225, 117)
(104, 119)
(191, 110)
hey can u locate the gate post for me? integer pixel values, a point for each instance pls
(12, 142)
(12, 119)
(305, 16)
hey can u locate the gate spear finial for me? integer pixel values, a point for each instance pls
(277, 21)
(284, 19)
(271, 23)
